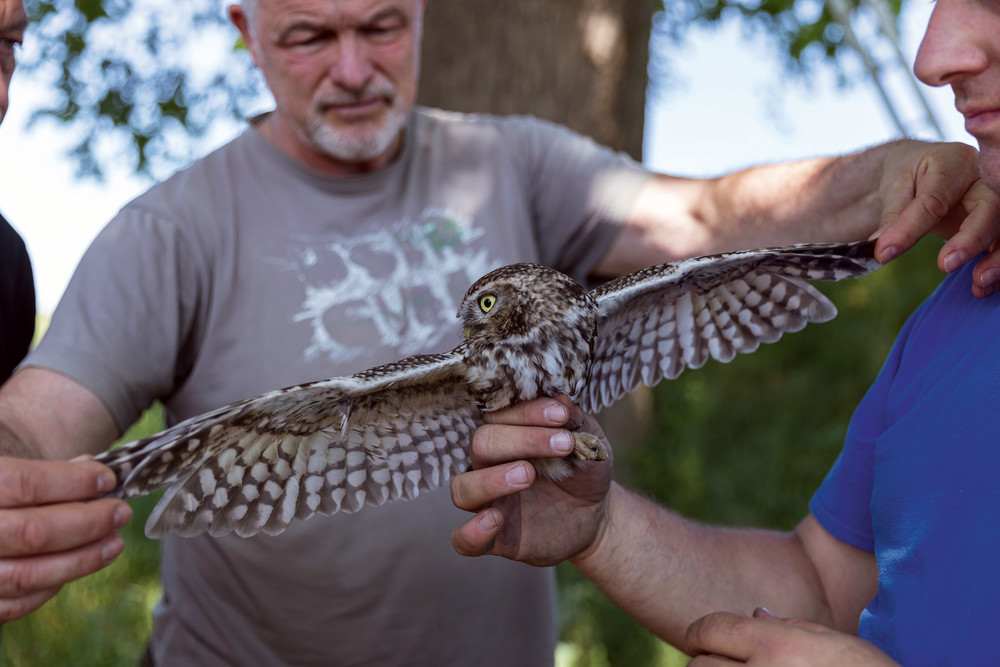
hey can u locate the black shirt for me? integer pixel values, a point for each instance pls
(17, 300)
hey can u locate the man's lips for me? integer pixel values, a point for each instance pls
(978, 119)
(356, 107)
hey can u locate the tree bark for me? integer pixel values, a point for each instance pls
(581, 63)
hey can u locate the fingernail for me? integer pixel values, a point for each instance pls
(954, 260)
(989, 277)
(122, 515)
(487, 522)
(105, 482)
(112, 549)
(760, 612)
(561, 442)
(556, 414)
(889, 254)
(517, 476)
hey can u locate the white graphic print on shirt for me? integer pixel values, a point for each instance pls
(398, 286)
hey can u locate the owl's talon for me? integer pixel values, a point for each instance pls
(587, 447)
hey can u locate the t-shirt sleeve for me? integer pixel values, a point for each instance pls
(124, 325)
(581, 193)
(17, 300)
(842, 504)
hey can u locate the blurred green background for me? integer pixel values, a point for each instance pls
(744, 443)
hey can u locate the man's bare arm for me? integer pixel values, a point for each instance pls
(667, 571)
(901, 190)
(46, 415)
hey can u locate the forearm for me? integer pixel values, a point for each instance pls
(12, 444)
(814, 200)
(46, 415)
(667, 571)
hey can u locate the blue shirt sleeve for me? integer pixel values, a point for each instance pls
(842, 504)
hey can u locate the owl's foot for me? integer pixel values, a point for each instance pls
(587, 447)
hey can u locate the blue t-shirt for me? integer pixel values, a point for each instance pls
(918, 484)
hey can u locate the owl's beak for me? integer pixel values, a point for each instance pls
(468, 333)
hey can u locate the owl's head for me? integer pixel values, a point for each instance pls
(514, 301)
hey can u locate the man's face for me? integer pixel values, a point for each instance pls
(343, 72)
(13, 22)
(962, 49)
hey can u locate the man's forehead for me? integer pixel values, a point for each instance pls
(354, 10)
(12, 16)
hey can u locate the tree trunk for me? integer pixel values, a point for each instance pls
(581, 63)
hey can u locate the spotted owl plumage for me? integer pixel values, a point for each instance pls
(396, 430)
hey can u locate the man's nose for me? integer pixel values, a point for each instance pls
(949, 50)
(354, 67)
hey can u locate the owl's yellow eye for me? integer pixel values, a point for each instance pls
(487, 302)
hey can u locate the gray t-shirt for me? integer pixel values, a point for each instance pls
(248, 272)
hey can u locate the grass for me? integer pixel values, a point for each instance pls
(744, 443)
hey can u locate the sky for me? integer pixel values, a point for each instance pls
(729, 105)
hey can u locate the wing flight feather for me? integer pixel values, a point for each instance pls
(655, 323)
(330, 446)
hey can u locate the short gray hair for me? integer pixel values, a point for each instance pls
(249, 7)
(249, 10)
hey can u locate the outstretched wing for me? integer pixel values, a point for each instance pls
(656, 322)
(329, 446)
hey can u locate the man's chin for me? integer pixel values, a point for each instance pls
(353, 146)
(361, 140)
(989, 165)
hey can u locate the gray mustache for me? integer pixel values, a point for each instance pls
(374, 90)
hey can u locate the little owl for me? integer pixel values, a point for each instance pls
(393, 431)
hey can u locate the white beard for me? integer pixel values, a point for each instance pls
(359, 145)
(349, 144)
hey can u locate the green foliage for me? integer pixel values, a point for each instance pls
(601, 634)
(803, 31)
(102, 620)
(138, 81)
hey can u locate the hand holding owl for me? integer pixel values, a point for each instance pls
(519, 514)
